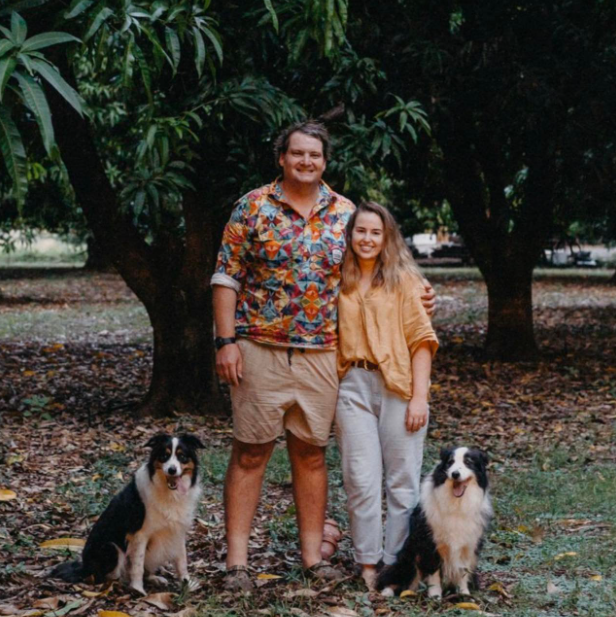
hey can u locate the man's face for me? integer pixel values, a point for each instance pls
(303, 162)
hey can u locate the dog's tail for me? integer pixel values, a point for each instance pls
(69, 571)
(399, 575)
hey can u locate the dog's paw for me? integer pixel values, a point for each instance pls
(388, 592)
(158, 580)
(137, 587)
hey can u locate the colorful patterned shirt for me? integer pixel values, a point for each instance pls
(285, 269)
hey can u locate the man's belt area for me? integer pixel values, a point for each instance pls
(366, 365)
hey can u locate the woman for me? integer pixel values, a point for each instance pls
(386, 346)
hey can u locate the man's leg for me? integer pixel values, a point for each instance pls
(242, 490)
(310, 493)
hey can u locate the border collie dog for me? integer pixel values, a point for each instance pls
(446, 528)
(145, 525)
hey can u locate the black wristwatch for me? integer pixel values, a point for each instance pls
(220, 342)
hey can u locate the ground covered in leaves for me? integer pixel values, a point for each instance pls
(75, 357)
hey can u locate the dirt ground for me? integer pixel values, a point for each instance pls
(75, 358)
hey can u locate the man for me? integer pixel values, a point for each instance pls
(275, 306)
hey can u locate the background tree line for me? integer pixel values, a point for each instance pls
(144, 121)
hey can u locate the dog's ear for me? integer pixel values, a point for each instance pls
(446, 453)
(157, 440)
(483, 457)
(192, 441)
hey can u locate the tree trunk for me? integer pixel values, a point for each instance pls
(183, 378)
(170, 278)
(510, 314)
(97, 260)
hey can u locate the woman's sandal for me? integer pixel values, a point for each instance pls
(237, 578)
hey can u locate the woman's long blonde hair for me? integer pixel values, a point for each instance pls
(395, 258)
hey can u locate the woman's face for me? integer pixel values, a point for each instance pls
(368, 236)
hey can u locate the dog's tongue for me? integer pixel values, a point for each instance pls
(459, 488)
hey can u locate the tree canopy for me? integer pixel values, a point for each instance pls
(153, 117)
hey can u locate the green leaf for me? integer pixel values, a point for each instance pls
(51, 75)
(5, 46)
(7, 65)
(173, 45)
(97, 21)
(34, 98)
(18, 28)
(129, 58)
(213, 36)
(145, 71)
(272, 12)
(8, 34)
(39, 41)
(14, 154)
(77, 7)
(199, 51)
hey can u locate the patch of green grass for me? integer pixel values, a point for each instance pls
(87, 322)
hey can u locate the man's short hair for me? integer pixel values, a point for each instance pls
(312, 128)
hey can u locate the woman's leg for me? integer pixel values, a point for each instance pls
(402, 458)
(358, 439)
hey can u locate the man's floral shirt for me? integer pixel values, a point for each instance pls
(285, 269)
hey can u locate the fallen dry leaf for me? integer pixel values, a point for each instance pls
(51, 603)
(408, 593)
(301, 593)
(7, 495)
(552, 588)
(112, 614)
(468, 606)
(162, 600)
(268, 577)
(72, 544)
(342, 611)
(563, 555)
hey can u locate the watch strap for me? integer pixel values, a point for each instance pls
(220, 341)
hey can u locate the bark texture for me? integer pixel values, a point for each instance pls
(171, 277)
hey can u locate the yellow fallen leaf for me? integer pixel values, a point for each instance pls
(117, 447)
(268, 577)
(112, 614)
(563, 555)
(457, 340)
(7, 495)
(468, 606)
(408, 593)
(596, 577)
(14, 458)
(29, 373)
(499, 588)
(73, 544)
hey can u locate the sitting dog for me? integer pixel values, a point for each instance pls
(145, 525)
(446, 528)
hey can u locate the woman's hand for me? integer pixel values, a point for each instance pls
(416, 414)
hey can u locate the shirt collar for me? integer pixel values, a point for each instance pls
(326, 195)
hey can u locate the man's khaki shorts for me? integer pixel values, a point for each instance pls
(282, 389)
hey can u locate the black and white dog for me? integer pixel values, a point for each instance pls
(145, 525)
(446, 528)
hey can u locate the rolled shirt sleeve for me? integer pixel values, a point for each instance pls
(230, 268)
(417, 325)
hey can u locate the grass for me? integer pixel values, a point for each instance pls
(553, 525)
(555, 504)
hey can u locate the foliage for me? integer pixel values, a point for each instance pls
(23, 63)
